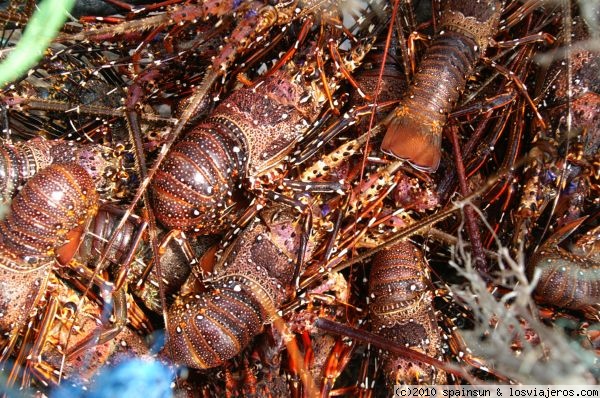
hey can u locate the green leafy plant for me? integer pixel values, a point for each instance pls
(42, 28)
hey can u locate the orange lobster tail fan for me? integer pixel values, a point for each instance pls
(414, 141)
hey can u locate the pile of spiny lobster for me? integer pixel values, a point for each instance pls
(302, 198)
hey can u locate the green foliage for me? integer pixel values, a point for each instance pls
(41, 29)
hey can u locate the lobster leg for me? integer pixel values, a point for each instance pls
(349, 119)
(485, 106)
(120, 315)
(116, 303)
(99, 232)
(338, 359)
(472, 227)
(387, 344)
(519, 85)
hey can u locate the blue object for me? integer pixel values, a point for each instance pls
(131, 378)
